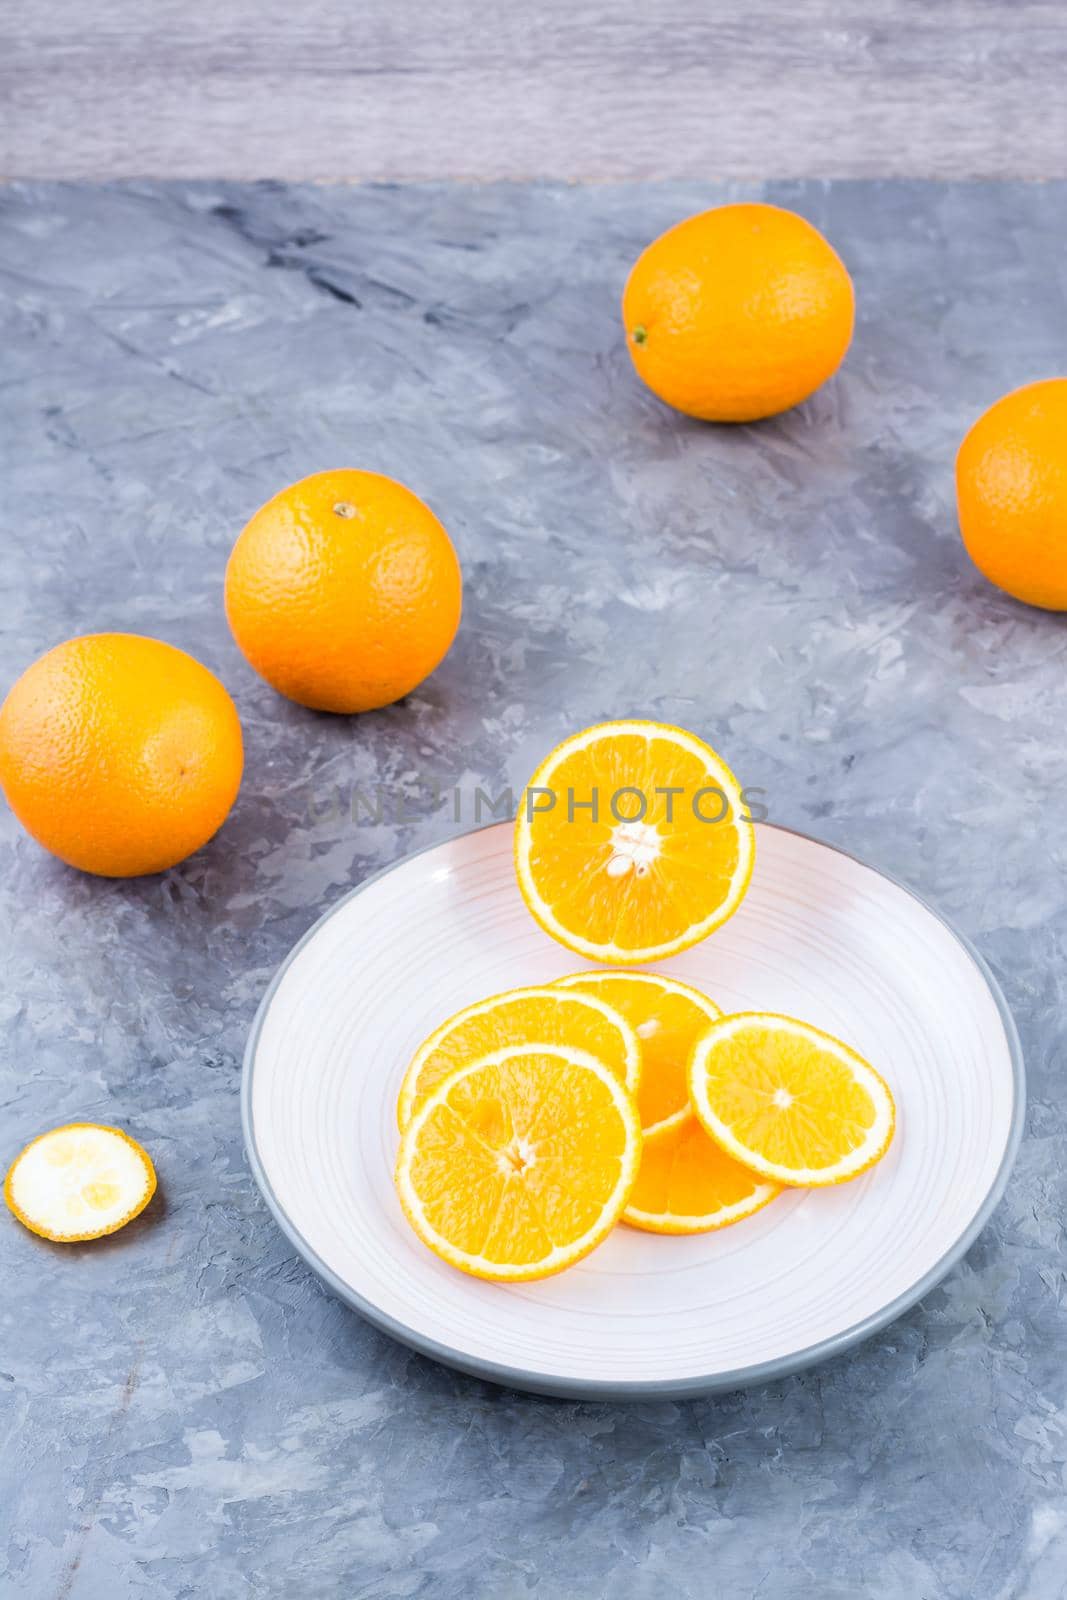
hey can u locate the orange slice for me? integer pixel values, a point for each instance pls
(519, 1164)
(521, 1016)
(791, 1102)
(79, 1182)
(687, 1184)
(632, 842)
(668, 1018)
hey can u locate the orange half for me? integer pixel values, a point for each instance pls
(519, 1164)
(632, 842)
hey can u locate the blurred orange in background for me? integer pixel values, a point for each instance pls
(1011, 491)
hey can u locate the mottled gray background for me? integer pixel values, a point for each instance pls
(185, 1411)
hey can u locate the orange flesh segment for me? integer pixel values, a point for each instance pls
(688, 1184)
(668, 1021)
(832, 1115)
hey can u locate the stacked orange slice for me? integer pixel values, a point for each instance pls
(581, 1021)
(686, 1184)
(520, 1163)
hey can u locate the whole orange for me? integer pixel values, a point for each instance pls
(344, 591)
(1011, 491)
(738, 313)
(121, 755)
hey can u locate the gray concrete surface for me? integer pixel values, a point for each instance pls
(184, 1410)
(546, 88)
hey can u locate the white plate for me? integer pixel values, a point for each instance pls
(819, 935)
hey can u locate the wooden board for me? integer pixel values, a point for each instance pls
(593, 89)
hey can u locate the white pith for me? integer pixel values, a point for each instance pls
(519, 1156)
(50, 1181)
(635, 845)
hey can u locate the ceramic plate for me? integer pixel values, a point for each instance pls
(819, 935)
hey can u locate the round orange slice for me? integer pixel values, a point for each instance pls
(791, 1102)
(519, 1164)
(79, 1182)
(688, 1184)
(521, 1016)
(668, 1018)
(632, 842)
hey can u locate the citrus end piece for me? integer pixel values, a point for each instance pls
(78, 1182)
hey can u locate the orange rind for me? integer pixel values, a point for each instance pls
(80, 1181)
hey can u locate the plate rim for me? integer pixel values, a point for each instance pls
(564, 1388)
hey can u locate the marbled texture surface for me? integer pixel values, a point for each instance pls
(185, 1411)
